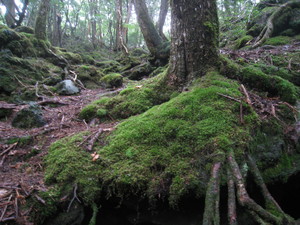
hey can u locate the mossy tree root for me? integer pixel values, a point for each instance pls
(273, 213)
(232, 218)
(270, 214)
(267, 31)
(211, 212)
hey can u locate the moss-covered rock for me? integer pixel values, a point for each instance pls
(89, 75)
(109, 66)
(133, 100)
(139, 71)
(278, 40)
(112, 80)
(241, 42)
(25, 29)
(67, 164)
(29, 118)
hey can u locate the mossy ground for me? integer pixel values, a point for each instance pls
(164, 152)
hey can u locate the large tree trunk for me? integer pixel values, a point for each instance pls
(194, 46)
(41, 20)
(153, 40)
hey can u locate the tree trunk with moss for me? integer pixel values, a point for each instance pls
(40, 27)
(194, 45)
(152, 38)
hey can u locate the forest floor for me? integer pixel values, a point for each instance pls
(21, 164)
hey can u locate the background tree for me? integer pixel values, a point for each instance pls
(40, 27)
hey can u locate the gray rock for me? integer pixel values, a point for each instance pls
(66, 87)
(29, 118)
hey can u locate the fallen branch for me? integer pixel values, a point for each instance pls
(9, 148)
(229, 97)
(5, 208)
(93, 140)
(248, 100)
(40, 199)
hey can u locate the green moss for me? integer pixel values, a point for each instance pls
(278, 40)
(67, 164)
(43, 211)
(242, 41)
(135, 100)
(165, 150)
(72, 57)
(112, 80)
(274, 85)
(101, 113)
(88, 112)
(22, 141)
(288, 165)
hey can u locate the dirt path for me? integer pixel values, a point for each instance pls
(21, 166)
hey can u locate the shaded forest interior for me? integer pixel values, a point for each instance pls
(148, 112)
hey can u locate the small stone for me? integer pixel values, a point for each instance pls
(66, 87)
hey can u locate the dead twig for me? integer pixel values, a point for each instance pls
(40, 199)
(5, 208)
(248, 100)
(229, 97)
(8, 149)
(93, 140)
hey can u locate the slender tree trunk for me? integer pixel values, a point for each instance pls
(164, 7)
(10, 14)
(120, 43)
(41, 20)
(194, 45)
(93, 21)
(153, 40)
(125, 28)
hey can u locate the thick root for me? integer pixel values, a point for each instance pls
(268, 29)
(232, 218)
(243, 197)
(211, 213)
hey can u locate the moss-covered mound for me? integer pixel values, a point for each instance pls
(131, 101)
(273, 85)
(167, 151)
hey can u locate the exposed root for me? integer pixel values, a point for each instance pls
(211, 212)
(268, 29)
(232, 218)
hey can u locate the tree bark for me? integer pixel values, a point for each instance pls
(10, 14)
(41, 20)
(153, 40)
(164, 7)
(194, 44)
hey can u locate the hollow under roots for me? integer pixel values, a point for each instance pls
(271, 213)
